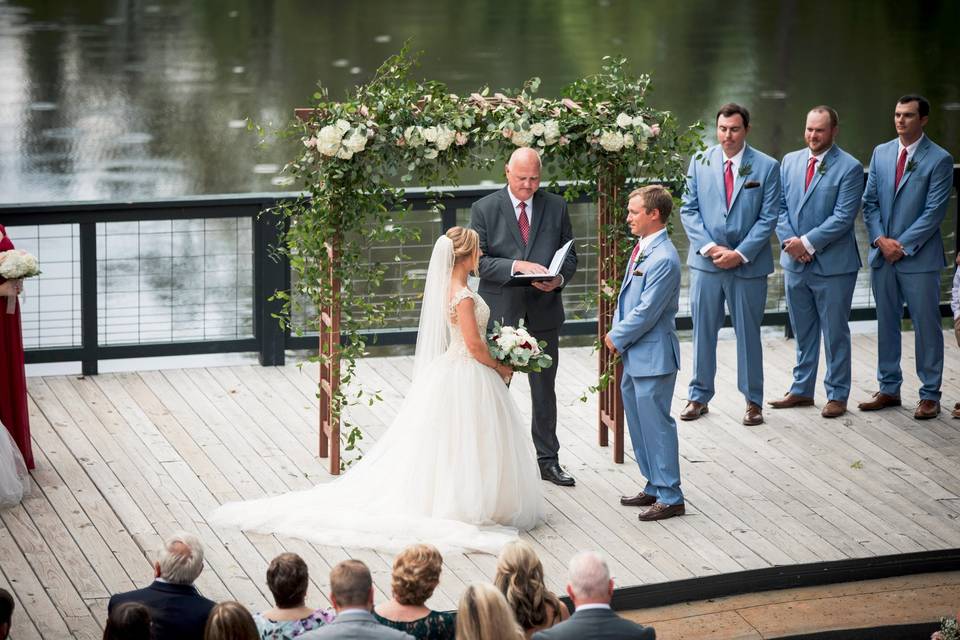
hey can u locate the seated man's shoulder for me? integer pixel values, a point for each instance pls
(370, 630)
(613, 627)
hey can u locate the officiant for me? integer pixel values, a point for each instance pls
(521, 227)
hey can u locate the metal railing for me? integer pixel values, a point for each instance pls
(194, 276)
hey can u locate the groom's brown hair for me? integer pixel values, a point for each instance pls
(655, 196)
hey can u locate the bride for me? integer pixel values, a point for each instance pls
(14, 478)
(456, 468)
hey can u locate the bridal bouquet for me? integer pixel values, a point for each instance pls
(516, 348)
(16, 264)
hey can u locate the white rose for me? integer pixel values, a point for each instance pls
(328, 140)
(624, 121)
(462, 138)
(430, 153)
(430, 134)
(538, 129)
(637, 122)
(445, 137)
(627, 140)
(522, 138)
(551, 130)
(611, 140)
(355, 142)
(344, 153)
(343, 125)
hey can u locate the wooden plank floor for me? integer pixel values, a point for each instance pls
(123, 459)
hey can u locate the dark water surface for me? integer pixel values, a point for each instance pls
(143, 99)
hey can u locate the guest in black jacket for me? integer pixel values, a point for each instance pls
(177, 609)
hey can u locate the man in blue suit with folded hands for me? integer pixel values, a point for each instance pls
(821, 190)
(730, 208)
(904, 204)
(644, 333)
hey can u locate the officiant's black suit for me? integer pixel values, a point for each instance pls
(494, 219)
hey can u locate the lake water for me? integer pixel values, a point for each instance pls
(150, 99)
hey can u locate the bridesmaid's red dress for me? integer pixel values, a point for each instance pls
(13, 378)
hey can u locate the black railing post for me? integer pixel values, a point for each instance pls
(271, 273)
(88, 299)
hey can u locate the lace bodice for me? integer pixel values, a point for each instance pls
(481, 313)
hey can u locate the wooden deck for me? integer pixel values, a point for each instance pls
(126, 458)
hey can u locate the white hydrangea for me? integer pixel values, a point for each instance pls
(328, 140)
(430, 153)
(522, 138)
(430, 134)
(343, 125)
(344, 153)
(611, 140)
(17, 264)
(624, 121)
(551, 131)
(445, 137)
(355, 142)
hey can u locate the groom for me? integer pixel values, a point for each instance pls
(520, 229)
(644, 333)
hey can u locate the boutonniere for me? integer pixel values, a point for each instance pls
(822, 169)
(639, 261)
(911, 165)
(745, 170)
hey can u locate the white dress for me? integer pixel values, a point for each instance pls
(14, 477)
(456, 468)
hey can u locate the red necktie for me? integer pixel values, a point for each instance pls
(524, 222)
(810, 165)
(633, 256)
(901, 163)
(728, 181)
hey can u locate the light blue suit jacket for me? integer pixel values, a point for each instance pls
(825, 212)
(913, 213)
(753, 213)
(644, 326)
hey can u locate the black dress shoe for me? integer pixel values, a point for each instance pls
(553, 472)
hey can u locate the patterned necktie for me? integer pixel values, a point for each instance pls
(633, 256)
(901, 163)
(524, 222)
(728, 181)
(810, 165)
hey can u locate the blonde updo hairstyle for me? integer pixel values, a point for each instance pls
(519, 578)
(416, 573)
(466, 244)
(484, 614)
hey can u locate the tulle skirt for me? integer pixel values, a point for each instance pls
(456, 468)
(14, 478)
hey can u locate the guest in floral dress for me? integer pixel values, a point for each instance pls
(288, 579)
(416, 573)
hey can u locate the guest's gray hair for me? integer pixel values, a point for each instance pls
(181, 559)
(589, 576)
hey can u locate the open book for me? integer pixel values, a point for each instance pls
(523, 279)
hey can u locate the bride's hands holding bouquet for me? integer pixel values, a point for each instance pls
(517, 350)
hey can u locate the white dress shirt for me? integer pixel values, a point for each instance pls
(645, 241)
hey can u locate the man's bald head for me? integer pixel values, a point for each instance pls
(523, 173)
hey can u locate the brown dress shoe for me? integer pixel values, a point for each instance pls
(640, 500)
(660, 511)
(694, 410)
(753, 416)
(956, 410)
(880, 401)
(790, 400)
(834, 409)
(927, 409)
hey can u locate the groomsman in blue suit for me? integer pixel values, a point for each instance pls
(903, 206)
(644, 333)
(730, 209)
(821, 189)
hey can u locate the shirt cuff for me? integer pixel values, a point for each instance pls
(513, 268)
(807, 245)
(703, 250)
(742, 256)
(561, 280)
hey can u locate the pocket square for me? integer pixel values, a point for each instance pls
(751, 185)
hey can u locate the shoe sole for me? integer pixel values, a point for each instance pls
(925, 417)
(672, 515)
(790, 406)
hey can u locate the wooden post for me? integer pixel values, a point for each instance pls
(610, 416)
(330, 365)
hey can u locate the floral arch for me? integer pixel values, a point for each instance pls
(600, 136)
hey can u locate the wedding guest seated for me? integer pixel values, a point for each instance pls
(416, 573)
(288, 578)
(351, 592)
(230, 621)
(591, 588)
(520, 579)
(6, 613)
(177, 609)
(484, 614)
(129, 621)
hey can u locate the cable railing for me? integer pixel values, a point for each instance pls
(194, 276)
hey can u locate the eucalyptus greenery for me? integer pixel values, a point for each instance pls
(396, 130)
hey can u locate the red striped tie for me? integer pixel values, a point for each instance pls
(524, 222)
(901, 163)
(728, 181)
(810, 165)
